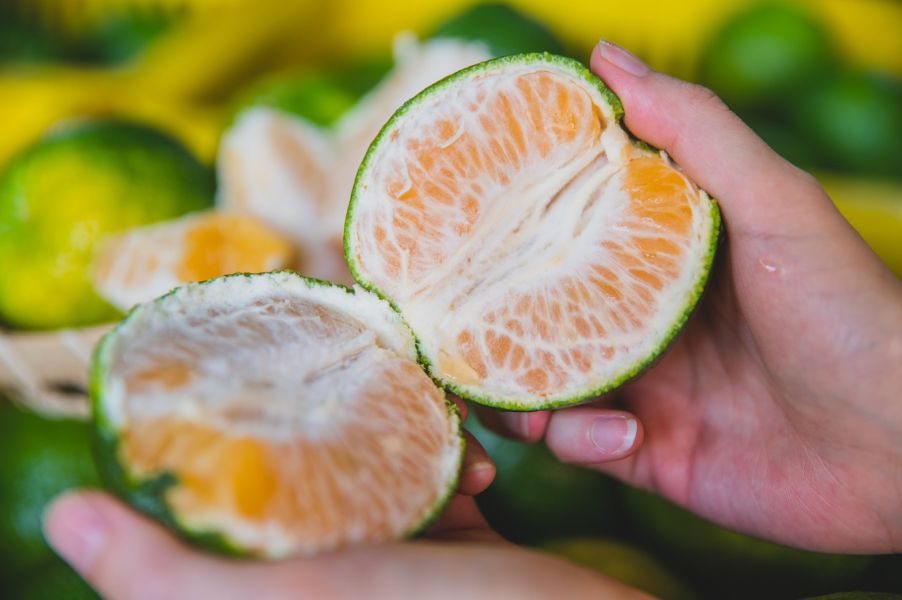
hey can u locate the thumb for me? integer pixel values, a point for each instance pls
(759, 191)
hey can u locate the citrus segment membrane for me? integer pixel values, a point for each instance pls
(538, 253)
(291, 413)
(147, 262)
(297, 177)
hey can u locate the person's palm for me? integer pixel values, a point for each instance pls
(777, 412)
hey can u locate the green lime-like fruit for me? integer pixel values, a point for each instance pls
(313, 96)
(39, 458)
(289, 416)
(785, 141)
(855, 119)
(727, 561)
(62, 196)
(52, 581)
(540, 254)
(625, 563)
(765, 55)
(536, 498)
(504, 29)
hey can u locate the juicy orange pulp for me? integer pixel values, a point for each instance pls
(453, 173)
(227, 243)
(340, 473)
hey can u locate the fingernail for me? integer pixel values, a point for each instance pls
(613, 434)
(622, 59)
(76, 530)
(523, 424)
(480, 465)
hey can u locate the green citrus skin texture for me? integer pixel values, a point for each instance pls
(39, 459)
(387, 141)
(61, 197)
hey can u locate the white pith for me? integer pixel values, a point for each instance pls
(308, 202)
(279, 382)
(544, 225)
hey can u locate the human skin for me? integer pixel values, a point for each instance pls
(778, 411)
(126, 556)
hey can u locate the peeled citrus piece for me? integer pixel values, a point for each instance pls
(540, 255)
(274, 415)
(149, 261)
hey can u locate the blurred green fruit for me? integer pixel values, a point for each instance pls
(785, 142)
(313, 96)
(53, 581)
(65, 194)
(743, 566)
(504, 29)
(855, 119)
(623, 562)
(765, 55)
(535, 498)
(39, 458)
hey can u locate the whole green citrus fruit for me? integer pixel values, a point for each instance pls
(61, 197)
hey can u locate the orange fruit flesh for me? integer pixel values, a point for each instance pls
(228, 243)
(147, 262)
(562, 241)
(289, 452)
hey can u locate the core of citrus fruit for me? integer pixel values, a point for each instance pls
(273, 415)
(539, 254)
(146, 262)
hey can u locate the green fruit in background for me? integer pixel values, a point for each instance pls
(623, 562)
(785, 142)
(535, 498)
(504, 29)
(720, 558)
(39, 458)
(53, 581)
(62, 196)
(855, 120)
(765, 54)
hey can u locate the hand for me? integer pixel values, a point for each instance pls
(778, 412)
(127, 557)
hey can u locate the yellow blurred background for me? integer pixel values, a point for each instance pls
(182, 65)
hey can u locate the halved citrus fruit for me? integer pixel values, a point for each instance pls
(147, 262)
(540, 255)
(273, 415)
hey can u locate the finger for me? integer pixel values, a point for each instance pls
(123, 555)
(592, 436)
(461, 406)
(478, 470)
(521, 426)
(462, 520)
(756, 188)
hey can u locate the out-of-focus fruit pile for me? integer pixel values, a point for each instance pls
(150, 143)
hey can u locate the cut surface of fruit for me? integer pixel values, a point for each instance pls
(147, 262)
(275, 415)
(297, 177)
(540, 255)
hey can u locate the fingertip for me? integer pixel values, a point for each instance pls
(590, 436)
(520, 426)
(77, 528)
(478, 470)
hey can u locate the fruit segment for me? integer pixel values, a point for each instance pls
(538, 253)
(291, 414)
(147, 262)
